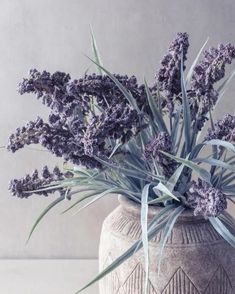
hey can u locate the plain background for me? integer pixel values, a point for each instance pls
(132, 36)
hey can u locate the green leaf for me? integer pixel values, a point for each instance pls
(161, 187)
(175, 177)
(124, 91)
(159, 216)
(154, 230)
(223, 86)
(135, 174)
(144, 227)
(204, 174)
(167, 230)
(93, 193)
(160, 199)
(222, 143)
(96, 52)
(222, 230)
(227, 219)
(45, 211)
(156, 114)
(186, 111)
(98, 197)
(115, 149)
(190, 72)
(216, 162)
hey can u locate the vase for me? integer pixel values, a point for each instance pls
(196, 259)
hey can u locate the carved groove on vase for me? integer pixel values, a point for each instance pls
(183, 234)
(180, 283)
(219, 283)
(135, 282)
(111, 279)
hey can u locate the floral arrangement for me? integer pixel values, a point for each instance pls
(117, 136)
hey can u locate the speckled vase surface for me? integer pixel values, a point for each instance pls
(196, 258)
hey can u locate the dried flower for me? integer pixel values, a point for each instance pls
(161, 142)
(224, 129)
(27, 186)
(206, 200)
(117, 122)
(209, 71)
(168, 77)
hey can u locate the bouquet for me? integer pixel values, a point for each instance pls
(117, 136)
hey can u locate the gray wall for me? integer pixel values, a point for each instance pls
(54, 35)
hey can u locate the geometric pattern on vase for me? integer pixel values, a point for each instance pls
(180, 283)
(134, 283)
(111, 279)
(219, 283)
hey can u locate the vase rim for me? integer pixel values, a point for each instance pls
(134, 208)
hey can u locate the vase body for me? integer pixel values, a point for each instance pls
(196, 258)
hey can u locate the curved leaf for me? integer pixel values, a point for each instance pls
(222, 230)
(45, 211)
(144, 228)
(204, 174)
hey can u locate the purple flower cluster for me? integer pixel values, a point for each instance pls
(27, 186)
(117, 122)
(209, 71)
(75, 131)
(224, 129)
(168, 77)
(206, 200)
(105, 92)
(161, 142)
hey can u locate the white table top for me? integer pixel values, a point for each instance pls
(46, 276)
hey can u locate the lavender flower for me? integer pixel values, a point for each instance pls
(209, 71)
(117, 122)
(105, 92)
(25, 187)
(28, 134)
(168, 77)
(224, 129)
(206, 200)
(161, 142)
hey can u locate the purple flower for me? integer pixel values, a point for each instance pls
(27, 186)
(117, 122)
(224, 129)
(168, 77)
(161, 142)
(209, 71)
(206, 200)
(28, 134)
(105, 92)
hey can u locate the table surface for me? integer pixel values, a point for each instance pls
(43, 276)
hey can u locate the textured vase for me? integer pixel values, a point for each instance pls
(196, 258)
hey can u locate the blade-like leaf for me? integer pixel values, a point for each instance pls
(222, 143)
(124, 91)
(115, 149)
(190, 72)
(96, 51)
(204, 174)
(161, 187)
(216, 162)
(156, 114)
(135, 174)
(144, 227)
(186, 111)
(222, 230)
(45, 211)
(96, 198)
(93, 193)
(167, 230)
(223, 86)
